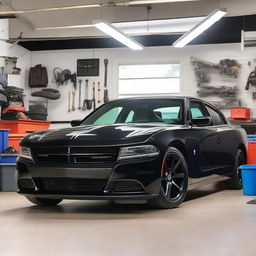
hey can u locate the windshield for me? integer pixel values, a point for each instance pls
(168, 111)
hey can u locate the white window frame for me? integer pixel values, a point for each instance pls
(149, 63)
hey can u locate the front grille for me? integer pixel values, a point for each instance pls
(97, 154)
(128, 186)
(26, 184)
(75, 155)
(70, 185)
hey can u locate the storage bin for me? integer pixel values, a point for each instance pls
(8, 177)
(240, 114)
(249, 179)
(8, 158)
(24, 126)
(3, 139)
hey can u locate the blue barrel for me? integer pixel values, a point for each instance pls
(249, 179)
(3, 139)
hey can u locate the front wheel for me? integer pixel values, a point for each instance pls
(236, 180)
(43, 201)
(174, 181)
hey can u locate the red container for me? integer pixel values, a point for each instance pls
(251, 152)
(240, 114)
(24, 126)
(14, 140)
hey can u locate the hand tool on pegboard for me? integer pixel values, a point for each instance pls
(85, 94)
(87, 103)
(73, 100)
(79, 100)
(94, 96)
(106, 99)
(98, 92)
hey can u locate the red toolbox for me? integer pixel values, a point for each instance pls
(240, 114)
(24, 126)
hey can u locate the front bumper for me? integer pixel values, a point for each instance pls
(131, 179)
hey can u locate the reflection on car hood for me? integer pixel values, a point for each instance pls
(96, 135)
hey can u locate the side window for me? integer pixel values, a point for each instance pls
(216, 118)
(109, 117)
(168, 114)
(129, 118)
(197, 110)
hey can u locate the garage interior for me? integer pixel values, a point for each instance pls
(80, 68)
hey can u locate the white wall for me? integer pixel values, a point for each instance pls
(58, 110)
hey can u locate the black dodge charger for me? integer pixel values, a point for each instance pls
(152, 149)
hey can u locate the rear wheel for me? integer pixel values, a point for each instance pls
(43, 201)
(174, 181)
(236, 180)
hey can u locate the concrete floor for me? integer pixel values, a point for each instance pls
(210, 222)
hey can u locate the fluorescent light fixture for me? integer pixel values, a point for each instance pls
(144, 27)
(117, 34)
(148, 27)
(200, 27)
(138, 2)
(65, 27)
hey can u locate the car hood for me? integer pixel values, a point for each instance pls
(94, 135)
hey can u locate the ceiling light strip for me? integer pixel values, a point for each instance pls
(65, 27)
(141, 2)
(200, 28)
(112, 31)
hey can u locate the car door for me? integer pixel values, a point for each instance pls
(208, 139)
(226, 136)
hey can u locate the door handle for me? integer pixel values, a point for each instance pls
(218, 140)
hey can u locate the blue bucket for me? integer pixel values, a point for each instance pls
(249, 179)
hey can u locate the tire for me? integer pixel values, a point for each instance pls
(43, 201)
(236, 180)
(174, 182)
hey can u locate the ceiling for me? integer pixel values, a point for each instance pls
(28, 23)
(227, 30)
(42, 30)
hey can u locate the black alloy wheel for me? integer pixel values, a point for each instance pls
(174, 181)
(236, 179)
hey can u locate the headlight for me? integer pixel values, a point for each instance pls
(137, 151)
(25, 152)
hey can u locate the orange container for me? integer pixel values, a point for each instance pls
(240, 113)
(24, 126)
(14, 140)
(251, 154)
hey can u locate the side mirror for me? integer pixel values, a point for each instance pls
(75, 122)
(202, 121)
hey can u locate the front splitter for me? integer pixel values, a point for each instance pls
(93, 197)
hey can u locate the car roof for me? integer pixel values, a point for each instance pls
(187, 98)
(157, 97)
